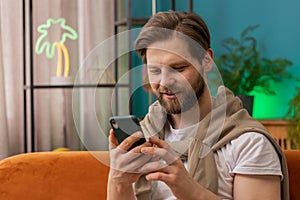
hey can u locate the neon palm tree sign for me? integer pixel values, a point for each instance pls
(49, 47)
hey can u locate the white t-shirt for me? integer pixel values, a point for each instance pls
(250, 153)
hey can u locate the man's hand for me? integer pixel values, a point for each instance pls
(125, 165)
(172, 172)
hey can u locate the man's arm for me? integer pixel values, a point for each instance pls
(118, 190)
(255, 187)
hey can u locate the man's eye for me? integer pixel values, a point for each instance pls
(179, 69)
(154, 71)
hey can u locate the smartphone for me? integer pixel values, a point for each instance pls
(124, 126)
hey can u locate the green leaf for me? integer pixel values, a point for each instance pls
(244, 69)
(248, 30)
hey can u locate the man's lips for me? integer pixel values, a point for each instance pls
(168, 95)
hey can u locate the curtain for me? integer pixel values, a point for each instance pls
(11, 68)
(93, 21)
(3, 114)
(96, 27)
(62, 117)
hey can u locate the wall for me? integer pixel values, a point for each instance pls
(278, 36)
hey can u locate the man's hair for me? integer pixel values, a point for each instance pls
(163, 25)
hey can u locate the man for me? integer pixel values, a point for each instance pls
(199, 146)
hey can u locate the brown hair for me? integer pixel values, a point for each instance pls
(159, 25)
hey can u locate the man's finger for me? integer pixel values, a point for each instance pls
(112, 140)
(138, 148)
(164, 153)
(152, 166)
(129, 141)
(158, 176)
(160, 143)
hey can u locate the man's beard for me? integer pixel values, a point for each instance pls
(187, 98)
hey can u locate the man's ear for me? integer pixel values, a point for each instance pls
(145, 79)
(208, 60)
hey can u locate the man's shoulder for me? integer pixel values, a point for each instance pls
(250, 146)
(251, 138)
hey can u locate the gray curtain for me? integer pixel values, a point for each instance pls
(11, 64)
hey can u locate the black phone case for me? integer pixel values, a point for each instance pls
(124, 126)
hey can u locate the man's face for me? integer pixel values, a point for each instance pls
(175, 82)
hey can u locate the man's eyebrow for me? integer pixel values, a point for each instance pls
(178, 63)
(153, 65)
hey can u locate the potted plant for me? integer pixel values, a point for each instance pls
(293, 117)
(244, 69)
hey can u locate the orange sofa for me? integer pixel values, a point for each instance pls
(79, 175)
(74, 175)
(293, 163)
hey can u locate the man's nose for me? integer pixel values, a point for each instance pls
(167, 77)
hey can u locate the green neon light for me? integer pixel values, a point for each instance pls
(44, 30)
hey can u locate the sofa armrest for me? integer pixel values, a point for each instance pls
(293, 163)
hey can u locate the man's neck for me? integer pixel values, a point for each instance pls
(193, 115)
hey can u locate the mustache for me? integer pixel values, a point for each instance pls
(172, 90)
